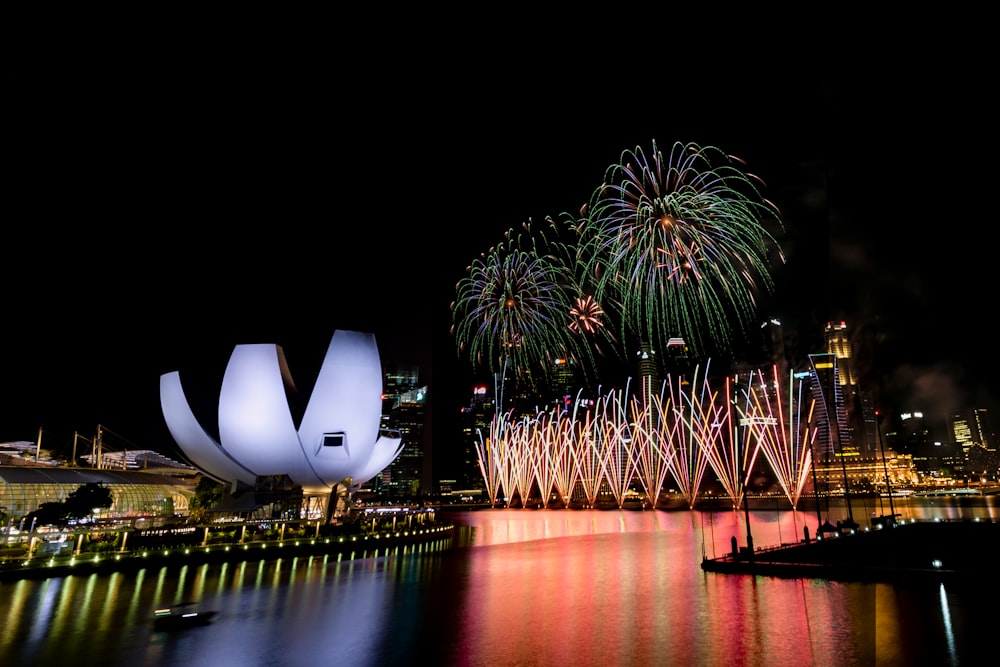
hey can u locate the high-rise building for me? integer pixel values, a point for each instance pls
(397, 379)
(649, 370)
(860, 431)
(677, 360)
(409, 474)
(404, 410)
(475, 421)
(830, 414)
(838, 344)
(562, 381)
(961, 430)
(971, 428)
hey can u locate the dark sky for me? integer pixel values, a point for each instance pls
(155, 222)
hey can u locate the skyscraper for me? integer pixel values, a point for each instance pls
(562, 381)
(649, 370)
(397, 379)
(831, 415)
(404, 410)
(970, 428)
(859, 432)
(409, 474)
(475, 421)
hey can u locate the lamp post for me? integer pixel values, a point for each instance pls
(746, 471)
(885, 467)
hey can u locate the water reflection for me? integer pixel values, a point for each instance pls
(521, 587)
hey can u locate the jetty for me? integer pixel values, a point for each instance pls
(892, 551)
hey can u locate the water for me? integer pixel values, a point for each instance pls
(521, 587)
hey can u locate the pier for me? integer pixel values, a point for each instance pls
(895, 551)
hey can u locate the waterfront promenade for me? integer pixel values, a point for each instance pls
(344, 547)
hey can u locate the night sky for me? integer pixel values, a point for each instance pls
(153, 227)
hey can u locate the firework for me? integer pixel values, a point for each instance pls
(586, 315)
(513, 309)
(780, 424)
(690, 429)
(679, 244)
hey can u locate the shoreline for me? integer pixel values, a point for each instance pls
(356, 546)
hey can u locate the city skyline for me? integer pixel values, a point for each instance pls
(376, 237)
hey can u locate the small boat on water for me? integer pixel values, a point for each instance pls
(180, 616)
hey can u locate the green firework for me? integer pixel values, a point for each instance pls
(679, 245)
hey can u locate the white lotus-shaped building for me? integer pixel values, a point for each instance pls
(337, 443)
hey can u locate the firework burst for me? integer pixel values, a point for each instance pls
(514, 305)
(680, 243)
(586, 315)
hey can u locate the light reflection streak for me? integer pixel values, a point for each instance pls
(11, 618)
(948, 634)
(198, 589)
(45, 609)
(107, 619)
(220, 585)
(182, 578)
(158, 588)
(135, 604)
(66, 592)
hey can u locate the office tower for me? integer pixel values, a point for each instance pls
(409, 474)
(860, 431)
(475, 421)
(404, 410)
(831, 414)
(648, 369)
(972, 428)
(397, 379)
(677, 361)
(961, 426)
(981, 458)
(838, 344)
(986, 428)
(562, 382)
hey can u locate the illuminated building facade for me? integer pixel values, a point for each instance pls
(398, 379)
(336, 445)
(134, 494)
(562, 381)
(409, 474)
(649, 370)
(831, 413)
(475, 419)
(859, 433)
(970, 428)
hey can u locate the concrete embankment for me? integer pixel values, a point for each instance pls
(342, 547)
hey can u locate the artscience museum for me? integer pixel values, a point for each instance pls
(336, 446)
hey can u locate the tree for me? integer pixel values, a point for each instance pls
(80, 504)
(207, 495)
(47, 514)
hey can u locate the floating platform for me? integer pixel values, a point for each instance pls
(896, 551)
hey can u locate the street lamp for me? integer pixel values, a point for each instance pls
(746, 469)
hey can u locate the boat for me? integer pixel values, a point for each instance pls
(182, 615)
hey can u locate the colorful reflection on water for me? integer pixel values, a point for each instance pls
(521, 587)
